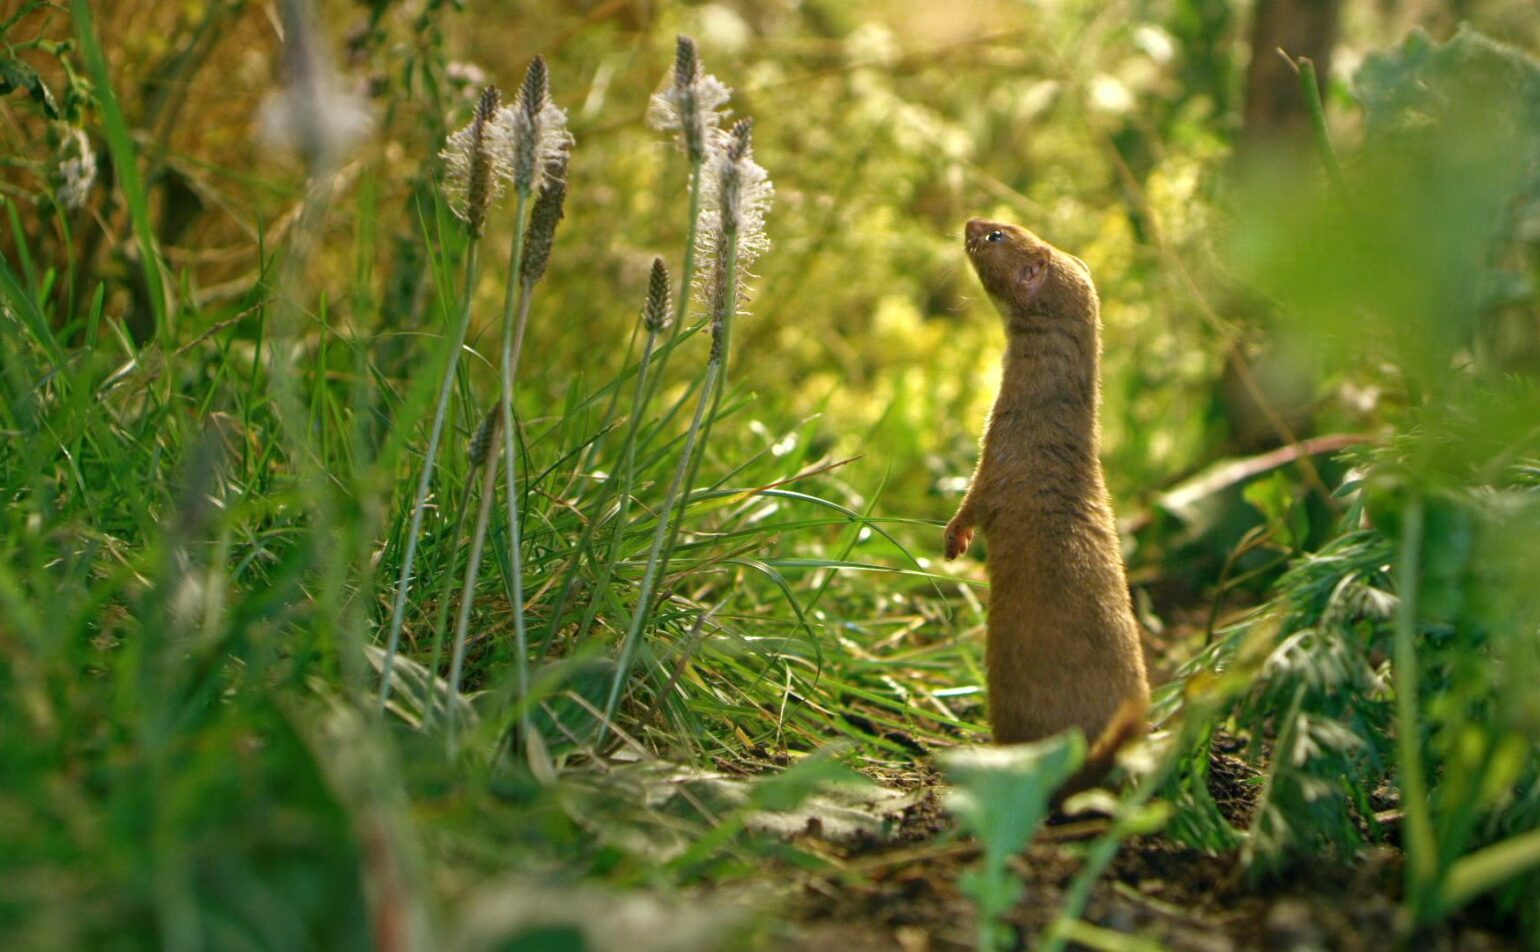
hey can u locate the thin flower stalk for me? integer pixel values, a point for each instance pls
(653, 571)
(477, 153)
(478, 452)
(540, 142)
(734, 235)
(655, 320)
(306, 107)
(472, 571)
(733, 229)
(1422, 861)
(510, 463)
(425, 478)
(445, 598)
(693, 108)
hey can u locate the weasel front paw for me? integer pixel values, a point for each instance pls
(958, 538)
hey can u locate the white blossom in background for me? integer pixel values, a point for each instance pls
(322, 127)
(312, 114)
(77, 168)
(465, 76)
(691, 105)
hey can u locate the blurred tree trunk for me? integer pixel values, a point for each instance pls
(1276, 115)
(1275, 129)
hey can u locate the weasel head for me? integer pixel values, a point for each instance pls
(1028, 279)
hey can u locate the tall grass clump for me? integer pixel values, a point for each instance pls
(477, 164)
(590, 639)
(537, 130)
(691, 106)
(732, 230)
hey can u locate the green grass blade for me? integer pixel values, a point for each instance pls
(120, 142)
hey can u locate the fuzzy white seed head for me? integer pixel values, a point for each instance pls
(537, 143)
(321, 122)
(736, 193)
(478, 160)
(536, 131)
(692, 105)
(735, 197)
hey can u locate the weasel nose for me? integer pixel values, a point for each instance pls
(976, 229)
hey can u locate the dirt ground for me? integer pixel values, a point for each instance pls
(900, 892)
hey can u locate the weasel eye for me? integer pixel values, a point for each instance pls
(995, 236)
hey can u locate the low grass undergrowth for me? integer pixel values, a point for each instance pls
(242, 718)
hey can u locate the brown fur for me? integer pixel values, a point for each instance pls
(1063, 646)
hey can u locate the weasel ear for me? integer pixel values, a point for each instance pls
(1031, 275)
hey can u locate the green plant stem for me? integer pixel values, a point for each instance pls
(468, 593)
(1420, 844)
(607, 491)
(1311, 89)
(679, 489)
(1283, 753)
(624, 481)
(67, 234)
(124, 162)
(331, 541)
(1487, 868)
(686, 281)
(1062, 930)
(719, 370)
(425, 480)
(513, 340)
(687, 271)
(653, 570)
(1079, 892)
(446, 593)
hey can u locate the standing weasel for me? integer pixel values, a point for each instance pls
(1063, 647)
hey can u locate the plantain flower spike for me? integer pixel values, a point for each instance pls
(536, 129)
(691, 105)
(543, 219)
(735, 198)
(476, 164)
(743, 190)
(480, 449)
(655, 317)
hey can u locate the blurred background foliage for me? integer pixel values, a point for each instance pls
(1108, 128)
(1386, 317)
